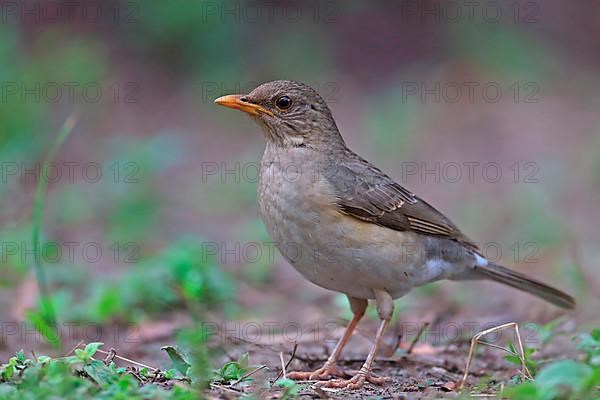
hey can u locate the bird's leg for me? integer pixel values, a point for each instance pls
(330, 369)
(385, 309)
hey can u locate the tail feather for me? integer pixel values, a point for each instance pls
(522, 282)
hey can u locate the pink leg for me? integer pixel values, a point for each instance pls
(330, 369)
(385, 308)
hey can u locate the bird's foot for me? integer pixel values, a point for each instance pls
(356, 382)
(324, 373)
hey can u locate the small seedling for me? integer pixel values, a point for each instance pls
(532, 365)
(291, 388)
(85, 355)
(234, 371)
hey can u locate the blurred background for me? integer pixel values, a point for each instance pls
(150, 223)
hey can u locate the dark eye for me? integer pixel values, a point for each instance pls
(283, 102)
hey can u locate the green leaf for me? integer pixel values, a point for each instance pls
(20, 357)
(563, 375)
(590, 344)
(44, 359)
(171, 373)
(547, 331)
(91, 348)
(231, 371)
(178, 360)
(42, 325)
(81, 355)
(524, 391)
(100, 373)
(243, 361)
(291, 387)
(515, 358)
(7, 371)
(72, 359)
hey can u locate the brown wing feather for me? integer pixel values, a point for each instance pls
(364, 192)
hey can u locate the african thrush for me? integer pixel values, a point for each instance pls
(348, 227)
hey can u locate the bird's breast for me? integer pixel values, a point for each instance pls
(329, 248)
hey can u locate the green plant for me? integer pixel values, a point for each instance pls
(589, 343)
(81, 376)
(234, 370)
(181, 364)
(565, 379)
(548, 332)
(291, 388)
(532, 365)
(46, 315)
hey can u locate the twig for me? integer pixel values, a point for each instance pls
(226, 388)
(249, 374)
(416, 338)
(73, 349)
(109, 353)
(282, 365)
(282, 372)
(499, 347)
(111, 356)
(129, 361)
(475, 340)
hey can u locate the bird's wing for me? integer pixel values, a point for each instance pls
(366, 193)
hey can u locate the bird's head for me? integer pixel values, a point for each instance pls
(290, 113)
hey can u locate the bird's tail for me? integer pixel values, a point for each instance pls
(522, 282)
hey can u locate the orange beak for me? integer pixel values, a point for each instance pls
(235, 101)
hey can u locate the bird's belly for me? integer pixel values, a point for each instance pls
(339, 252)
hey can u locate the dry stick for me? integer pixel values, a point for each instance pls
(111, 356)
(116, 356)
(111, 352)
(282, 364)
(128, 360)
(249, 374)
(226, 388)
(416, 338)
(499, 347)
(475, 341)
(73, 349)
(282, 372)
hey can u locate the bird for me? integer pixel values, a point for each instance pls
(348, 227)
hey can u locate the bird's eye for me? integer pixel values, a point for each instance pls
(283, 103)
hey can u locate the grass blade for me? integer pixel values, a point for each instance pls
(38, 213)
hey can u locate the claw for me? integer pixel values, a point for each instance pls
(356, 382)
(324, 373)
